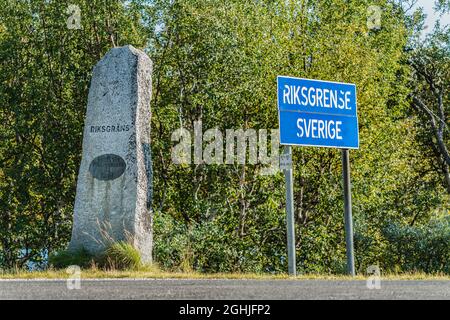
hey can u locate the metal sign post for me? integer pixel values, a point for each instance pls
(348, 211)
(287, 157)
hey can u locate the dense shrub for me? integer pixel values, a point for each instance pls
(200, 247)
(424, 248)
(64, 259)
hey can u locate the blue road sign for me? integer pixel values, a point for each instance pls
(317, 113)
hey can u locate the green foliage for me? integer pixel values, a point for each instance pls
(423, 248)
(202, 247)
(64, 259)
(429, 84)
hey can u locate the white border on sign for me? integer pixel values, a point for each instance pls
(313, 145)
(335, 82)
(318, 146)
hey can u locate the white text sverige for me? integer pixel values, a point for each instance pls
(319, 129)
(317, 97)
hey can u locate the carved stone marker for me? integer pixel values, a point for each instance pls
(114, 183)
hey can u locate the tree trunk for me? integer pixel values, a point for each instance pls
(447, 176)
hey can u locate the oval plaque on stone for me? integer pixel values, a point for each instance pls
(107, 167)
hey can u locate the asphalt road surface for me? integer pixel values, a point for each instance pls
(223, 289)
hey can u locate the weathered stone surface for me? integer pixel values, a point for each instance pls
(114, 182)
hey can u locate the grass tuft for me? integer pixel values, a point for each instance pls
(121, 256)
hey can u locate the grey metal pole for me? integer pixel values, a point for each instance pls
(348, 212)
(290, 215)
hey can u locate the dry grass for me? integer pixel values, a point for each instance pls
(153, 272)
